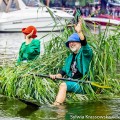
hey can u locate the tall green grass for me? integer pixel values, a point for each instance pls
(15, 81)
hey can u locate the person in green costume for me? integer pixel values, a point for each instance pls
(30, 49)
(76, 65)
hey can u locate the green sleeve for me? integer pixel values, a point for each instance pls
(67, 64)
(64, 67)
(21, 51)
(87, 51)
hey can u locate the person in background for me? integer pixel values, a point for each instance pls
(57, 3)
(30, 49)
(31, 3)
(76, 65)
(2, 6)
(47, 3)
(92, 12)
(82, 11)
(8, 4)
(70, 3)
(87, 11)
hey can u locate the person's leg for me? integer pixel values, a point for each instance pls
(2, 5)
(47, 3)
(74, 87)
(67, 87)
(61, 96)
(1, 2)
(17, 5)
(8, 5)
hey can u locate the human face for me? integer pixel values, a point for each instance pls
(74, 46)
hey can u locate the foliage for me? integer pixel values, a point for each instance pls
(15, 81)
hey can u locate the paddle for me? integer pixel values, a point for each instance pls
(73, 80)
(35, 103)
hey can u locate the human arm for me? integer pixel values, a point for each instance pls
(32, 46)
(78, 29)
(28, 38)
(87, 51)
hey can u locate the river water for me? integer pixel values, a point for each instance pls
(13, 109)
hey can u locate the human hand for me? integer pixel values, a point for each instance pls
(78, 27)
(29, 35)
(28, 38)
(55, 76)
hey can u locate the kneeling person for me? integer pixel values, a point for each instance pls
(76, 65)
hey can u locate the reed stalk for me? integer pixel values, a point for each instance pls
(15, 81)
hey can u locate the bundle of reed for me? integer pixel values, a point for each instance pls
(15, 81)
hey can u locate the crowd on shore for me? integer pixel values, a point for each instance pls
(87, 10)
(96, 10)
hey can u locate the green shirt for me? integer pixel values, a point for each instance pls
(83, 59)
(30, 51)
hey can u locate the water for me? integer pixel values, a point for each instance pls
(13, 109)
